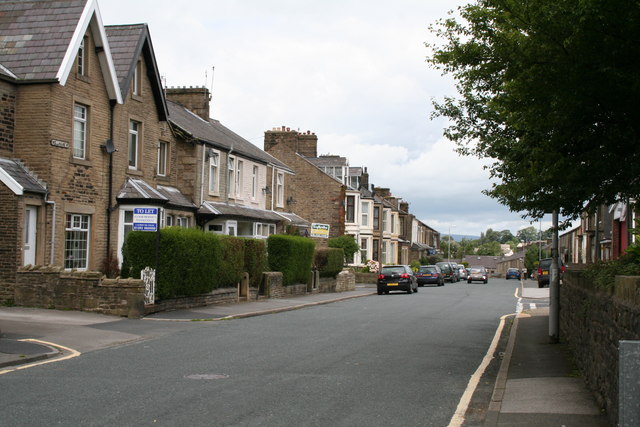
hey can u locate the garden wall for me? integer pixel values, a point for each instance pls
(592, 322)
(53, 287)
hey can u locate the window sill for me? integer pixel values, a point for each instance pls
(135, 172)
(81, 162)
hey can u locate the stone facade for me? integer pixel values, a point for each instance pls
(7, 116)
(52, 287)
(10, 255)
(593, 321)
(315, 195)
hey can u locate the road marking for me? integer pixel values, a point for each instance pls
(72, 353)
(458, 417)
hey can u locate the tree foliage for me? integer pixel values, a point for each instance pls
(549, 90)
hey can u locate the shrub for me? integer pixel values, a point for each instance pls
(347, 242)
(255, 259)
(292, 256)
(329, 261)
(603, 273)
(415, 265)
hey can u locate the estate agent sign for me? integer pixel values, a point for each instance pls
(145, 219)
(320, 230)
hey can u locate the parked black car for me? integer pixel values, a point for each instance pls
(430, 275)
(397, 278)
(449, 272)
(544, 271)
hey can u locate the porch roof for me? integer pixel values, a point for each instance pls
(18, 178)
(295, 219)
(139, 191)
(229, 209)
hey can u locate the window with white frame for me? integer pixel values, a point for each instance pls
(254, 182)
(162, 158)
(365, 213)
(80, 119)
(230, 175)
(81, 66)
(393, 223)
(264, 230)
(169, 221)
(364, 244)
(385, 220)
(137, 79)
(134, 143)
(384, 252)
(280, 188)
(239, 167)
(182, 221)
(76, 241)
(213, 173)
(351, 209)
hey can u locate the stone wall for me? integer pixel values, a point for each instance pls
(217, 296)
(370, 278)
(53, 287)
(592, 322)
(346, 281)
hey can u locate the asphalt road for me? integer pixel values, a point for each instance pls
(390, 360)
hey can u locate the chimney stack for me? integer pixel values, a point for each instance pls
(195, 99)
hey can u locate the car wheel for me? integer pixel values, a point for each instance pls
(409, 291)
(486, 281)
(416, 289)
(379, 292)
(468, 281)
(540, 285)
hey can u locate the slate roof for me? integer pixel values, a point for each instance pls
(139, 190)
(175, 197)
(228, 209)
(294, 219)
(35, 35)
(214, 133)
(127, 43)
(19, 178)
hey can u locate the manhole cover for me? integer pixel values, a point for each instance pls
(207, 376)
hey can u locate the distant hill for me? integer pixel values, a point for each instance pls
(459, 237)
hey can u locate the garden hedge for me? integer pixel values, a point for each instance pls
(291, 255)
(329, 261)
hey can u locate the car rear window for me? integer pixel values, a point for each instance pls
(476, 270)
(391, 270)
(545, 264)
(427, 270)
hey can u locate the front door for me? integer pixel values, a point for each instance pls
(30, 226)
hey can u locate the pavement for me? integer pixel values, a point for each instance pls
(536, 383)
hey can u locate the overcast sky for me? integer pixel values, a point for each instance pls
(352, 71)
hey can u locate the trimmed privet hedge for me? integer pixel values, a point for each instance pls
(192, 262)
(292, 256)
(255, 259)
(329, 261)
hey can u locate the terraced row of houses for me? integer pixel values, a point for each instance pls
(88, 134)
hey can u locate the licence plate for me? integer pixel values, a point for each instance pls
(427, 275)
(545, 272)
(392, 284)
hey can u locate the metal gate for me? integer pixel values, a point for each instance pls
(148, 276)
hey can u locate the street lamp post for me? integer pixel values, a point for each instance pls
(449, 250)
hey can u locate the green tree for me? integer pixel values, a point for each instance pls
(549, 92)
(528, 234)
(348, 244)
(490, 248)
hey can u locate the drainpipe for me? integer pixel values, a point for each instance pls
(53, 228)
(273, 174)
(110, 208)
(204, 153)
